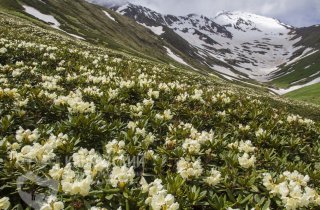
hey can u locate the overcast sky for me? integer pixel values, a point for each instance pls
(293, 12)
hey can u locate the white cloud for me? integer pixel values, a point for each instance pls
(294, 12)
(108, 2)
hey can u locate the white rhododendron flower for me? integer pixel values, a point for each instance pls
(39, 152)
(189, 169)
(214, 178)
(27, 135)
(90, 161)
(166, 116)
(246, 161)
(244, 128)
(261, 133)
(191, 146)
(246, 146)
(197, 95)
(56, 172)
(293, 189)
(222, 114)
(115, 147)
(77, 186)
(52, 204)
(153, 94)
(158, 198)
(148, 102)
(120, 176)
(4, 203)
(12, 93)
(298, 119)
(75, 183)
(182, 97)
(3, 50)
(162, 200)
(75, 102)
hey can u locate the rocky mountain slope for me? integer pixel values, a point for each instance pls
(248, 46)
(92, 23)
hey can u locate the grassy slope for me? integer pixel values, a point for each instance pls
(303, 70)
(126, 35)
(299, 71)
(309, 94)
(88, 20)
(96, 27)
(310, 38)
(284, 146)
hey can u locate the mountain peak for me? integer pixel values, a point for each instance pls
(109, 3)
(245, 21)
(234, 43)
(238, 18)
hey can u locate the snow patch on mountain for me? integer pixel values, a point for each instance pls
(254, 46)
(121, 9)
(45, 18)
(296, 87)
(305, 79)
(175, 57)
(48, 19)
(109, 16)
(73, 35)
(259, 44)
(158, 30)
(224, 70)
(42, 2)
(247, 21)
(307, 52)
(238, 80)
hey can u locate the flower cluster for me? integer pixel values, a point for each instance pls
(96, 121)
(121, 176)
(298, 119)
(167, 115)
(192, 145)
(214, 178)
(52, 204)
(4, 203)
(36, 152)
(75, 103)
(158, 197)
(293, 189)
(244, 147)
(87, 161)
(27, 135)
(189, 169)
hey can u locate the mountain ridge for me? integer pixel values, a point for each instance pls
(261, 53)
(203, 27)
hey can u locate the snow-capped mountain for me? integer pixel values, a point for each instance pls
(239, 46)
(243, 45)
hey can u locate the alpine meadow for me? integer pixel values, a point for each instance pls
(117, 106)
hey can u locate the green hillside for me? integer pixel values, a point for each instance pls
(124, 34)
(309, 94)
(301, 72)
(74, 115)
